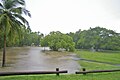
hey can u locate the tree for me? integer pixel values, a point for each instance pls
(99, 38)
(11, 20)
(26, 40)
(31, 38)
(75, 36)
(57, 40)
(1, 40)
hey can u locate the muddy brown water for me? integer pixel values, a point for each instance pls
(33, 59)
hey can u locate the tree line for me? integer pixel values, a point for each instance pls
(28, 38)
(97, 38)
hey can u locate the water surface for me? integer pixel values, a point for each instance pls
(32, 58)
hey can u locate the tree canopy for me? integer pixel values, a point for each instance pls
(97, 38)
(57, 40)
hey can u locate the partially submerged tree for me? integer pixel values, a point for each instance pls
(11, 20)
(57, 40)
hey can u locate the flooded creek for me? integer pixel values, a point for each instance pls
(33, 59)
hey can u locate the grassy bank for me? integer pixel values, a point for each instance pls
(97, 66)
(105, 57)
(113, 57)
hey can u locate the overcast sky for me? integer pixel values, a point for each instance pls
(71, 15)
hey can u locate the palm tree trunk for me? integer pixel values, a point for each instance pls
(4, 51)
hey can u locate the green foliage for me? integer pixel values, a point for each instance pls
(97, 38)
(57, 40)
(11, 20)
(1, 40)
(31, 38)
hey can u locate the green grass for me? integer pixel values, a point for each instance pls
(112, 57)
(97, 66)
(101, 76)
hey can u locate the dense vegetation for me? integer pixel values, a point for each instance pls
(28, 39)
(15, 31)
(57, 40)
(94, 38)
(97, 39)
(31, 39)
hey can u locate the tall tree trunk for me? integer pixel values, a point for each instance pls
(4, 51)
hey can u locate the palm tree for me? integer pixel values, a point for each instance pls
(12, 20)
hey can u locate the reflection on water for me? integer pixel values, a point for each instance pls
(32, 58)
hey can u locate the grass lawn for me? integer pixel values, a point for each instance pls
(97, 66)
(101, 76)
(111, 57)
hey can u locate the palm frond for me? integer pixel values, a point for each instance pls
(22, 19)
(8, 25)
(2, 21)
(17, 10)
(8, 4)
(21, 10)
(15, 23)
(1, 11)
(22, 2)
(26, 12)
(11, 19)
(1, 6)
(15, 29)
